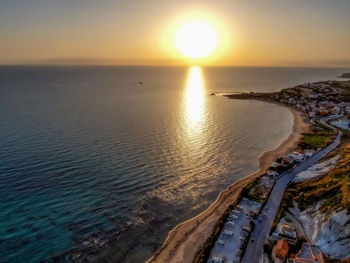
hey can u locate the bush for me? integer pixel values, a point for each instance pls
(315, 141)
(268, 247)
(294, 249)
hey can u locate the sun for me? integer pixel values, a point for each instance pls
(196, 39)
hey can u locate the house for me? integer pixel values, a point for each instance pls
(335, 110)
(323, 112)
(306, 254)
(313, 96)
(309, 152)
(275, 165)
(347, 110)
(282, 248)
(288, 232)
(272, 173)
(287, 160)
(312, 114)
(291, 101)
(327, 104)
(296, 157)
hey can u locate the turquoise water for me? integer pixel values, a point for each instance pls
(96, 164)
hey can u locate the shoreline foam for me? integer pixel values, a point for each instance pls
(183, 242)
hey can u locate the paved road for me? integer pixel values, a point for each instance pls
(253, 253)
(324, 120)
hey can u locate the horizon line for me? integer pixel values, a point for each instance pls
(165, 65)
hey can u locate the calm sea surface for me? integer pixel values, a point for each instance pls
(101, 162)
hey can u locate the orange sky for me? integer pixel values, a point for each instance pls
(251, 33)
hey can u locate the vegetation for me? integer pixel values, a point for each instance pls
(282, 168)
(279, 215)
(319, 137)
(246, 190)
(256, 191)
(333, 189)
(316, 141)
(329, 260)
(268, 247)
(294, 249)
(257, 194)
(346, 135)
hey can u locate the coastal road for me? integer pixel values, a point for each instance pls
(253, 253)
(324, 120)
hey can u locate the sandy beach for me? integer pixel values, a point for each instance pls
(183, 242)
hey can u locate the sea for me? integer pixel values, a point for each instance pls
(100, 163)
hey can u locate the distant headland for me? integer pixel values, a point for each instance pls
(345, 75)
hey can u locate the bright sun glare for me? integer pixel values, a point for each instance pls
(196, 39)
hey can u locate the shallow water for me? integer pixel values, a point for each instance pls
(91, 158)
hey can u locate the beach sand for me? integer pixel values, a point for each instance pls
(185, 239)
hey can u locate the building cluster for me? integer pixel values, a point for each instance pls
(286, 236)
(307, 254)
(315, 99)
(234, 236)
(287, 162)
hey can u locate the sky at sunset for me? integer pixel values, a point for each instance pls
(250, 33)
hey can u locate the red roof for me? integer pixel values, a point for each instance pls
(282, 244)
(281, 248)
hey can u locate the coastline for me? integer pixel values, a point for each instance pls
(183, 242)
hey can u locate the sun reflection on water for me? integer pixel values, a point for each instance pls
(194, 99)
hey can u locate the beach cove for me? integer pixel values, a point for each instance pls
(185, 240)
